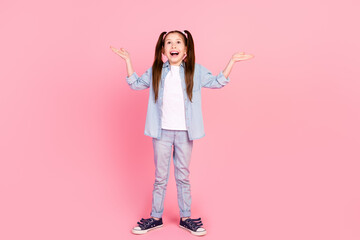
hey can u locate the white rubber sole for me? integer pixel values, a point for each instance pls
(194, 233)
(134, 231)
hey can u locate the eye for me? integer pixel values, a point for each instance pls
(178, 41)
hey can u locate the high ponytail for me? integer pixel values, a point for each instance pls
(189, 64)
(157, 65)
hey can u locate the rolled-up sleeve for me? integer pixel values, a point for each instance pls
(211, 81)
(139, 83)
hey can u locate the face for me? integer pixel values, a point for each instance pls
(174, 48)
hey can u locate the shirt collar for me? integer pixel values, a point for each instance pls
(167, 64)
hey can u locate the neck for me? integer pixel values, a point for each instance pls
(175, 64)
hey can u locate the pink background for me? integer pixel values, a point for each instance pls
(280, 159)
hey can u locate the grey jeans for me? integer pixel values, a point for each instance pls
(181, 156)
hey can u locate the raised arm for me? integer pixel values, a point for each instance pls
(126, 56)
(208, 80)
(211, 81)
(135, 82)
(241, 56)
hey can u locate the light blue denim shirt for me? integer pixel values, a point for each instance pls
(193, 112)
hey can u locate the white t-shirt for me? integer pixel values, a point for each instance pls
(173, 108)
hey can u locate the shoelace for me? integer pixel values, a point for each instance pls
(144, 223)
(194, 224)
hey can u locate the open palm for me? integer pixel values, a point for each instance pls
(241, 56)
(121, 52)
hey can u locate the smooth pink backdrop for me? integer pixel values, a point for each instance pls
(280, 159)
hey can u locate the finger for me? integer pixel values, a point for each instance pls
(114, 49)
(118, 52)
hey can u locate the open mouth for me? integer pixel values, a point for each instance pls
(174, 53)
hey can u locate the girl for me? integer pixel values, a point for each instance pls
(174, 118)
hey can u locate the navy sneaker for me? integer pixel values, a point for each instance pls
(193, 226)
(146, 225)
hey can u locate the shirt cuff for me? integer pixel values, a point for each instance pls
(222, 79)
(132, 78)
